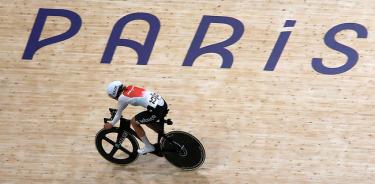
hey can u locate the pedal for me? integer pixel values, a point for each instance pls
(157, 151)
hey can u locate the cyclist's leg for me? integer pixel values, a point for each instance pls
(160, 112)
(137, 127)
(144, 117)
(157, 127)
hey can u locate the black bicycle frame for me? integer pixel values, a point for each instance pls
(125, 126)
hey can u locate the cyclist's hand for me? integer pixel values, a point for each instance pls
(108, 126)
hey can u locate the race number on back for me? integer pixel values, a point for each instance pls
(153, 99)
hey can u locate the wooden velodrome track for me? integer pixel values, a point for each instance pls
(291, 125)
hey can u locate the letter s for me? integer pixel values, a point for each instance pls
(329, 40)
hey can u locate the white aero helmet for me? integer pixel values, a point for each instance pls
(114, 89)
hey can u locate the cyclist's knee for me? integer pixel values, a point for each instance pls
(134, 122)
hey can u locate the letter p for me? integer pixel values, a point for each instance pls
(35, 44)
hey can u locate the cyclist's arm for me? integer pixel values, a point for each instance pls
(122, 104)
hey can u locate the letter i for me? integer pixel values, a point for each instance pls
(279, 46)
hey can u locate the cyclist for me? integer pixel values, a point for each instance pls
(156, 108)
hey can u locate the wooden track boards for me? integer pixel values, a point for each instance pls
(292, 125)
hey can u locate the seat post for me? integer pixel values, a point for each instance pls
(161, 132)
(162, 121)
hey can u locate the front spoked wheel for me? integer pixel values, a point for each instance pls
(183, 150)
(117, 146)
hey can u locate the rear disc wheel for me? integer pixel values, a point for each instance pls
(183, 150)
